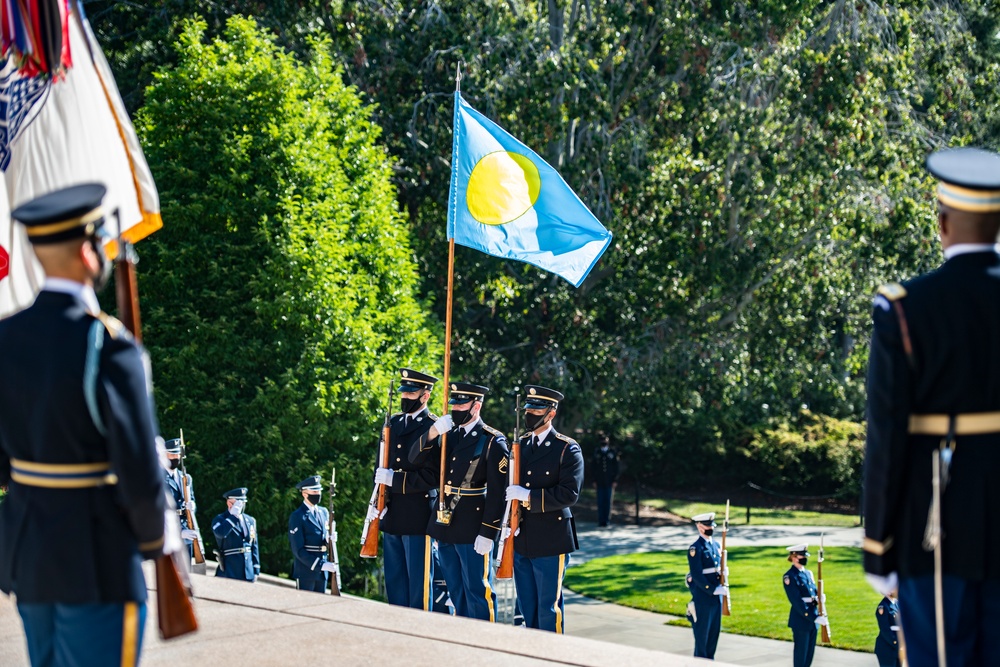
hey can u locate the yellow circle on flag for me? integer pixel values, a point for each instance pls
(502, 187)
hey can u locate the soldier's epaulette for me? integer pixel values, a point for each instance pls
(114, 326)
(892, 291)
(433, 416)
(566, 438)
(395, 414)
(490, 429)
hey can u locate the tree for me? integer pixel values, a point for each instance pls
(280, 295)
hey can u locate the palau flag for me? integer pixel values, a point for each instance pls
(508, 202)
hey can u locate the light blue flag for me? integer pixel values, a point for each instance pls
(508, 202)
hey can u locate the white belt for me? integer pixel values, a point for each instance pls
(710, 570)
(233, 552)
(809, 599)
(321, 549)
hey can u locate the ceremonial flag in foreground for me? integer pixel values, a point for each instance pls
(62, 122)
(508, 202)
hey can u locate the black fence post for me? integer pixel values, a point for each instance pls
(637, 502)
(748, 515)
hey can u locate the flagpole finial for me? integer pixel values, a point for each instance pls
(458, 77)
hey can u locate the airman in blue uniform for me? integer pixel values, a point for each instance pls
(551, 474)
(411, 490)
(175, 487)
(236, 534)
(803, 617)
(704, 581)
(887, 642)
(78, 450)
(475, 479)
(308, 532)
(933, 392)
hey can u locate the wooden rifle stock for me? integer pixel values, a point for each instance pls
(192, 521)
(369, 535)
(824, 629)
(331, 538)
(724, 579)
(175, 613)
(505, 558)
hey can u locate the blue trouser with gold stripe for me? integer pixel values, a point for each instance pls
(409, 570)
(468, 577)
(539, 583)
(83, 635)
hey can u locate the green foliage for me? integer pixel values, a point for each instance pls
(656, 582)
(814, 454)
(280, 295)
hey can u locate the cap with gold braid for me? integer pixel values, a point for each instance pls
(541, 397)
(968, 178)
(411, 380)
(463, 392)
(70, 213)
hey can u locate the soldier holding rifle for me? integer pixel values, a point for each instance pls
(934, 407)
(411, 490)
(175, 480)
(307, 535)
(804, 617)
(78, 450)
(474, 483)
(705, 582)
(551, 475)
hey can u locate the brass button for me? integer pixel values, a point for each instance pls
(529, 472)
(397, 460)
(527, 483)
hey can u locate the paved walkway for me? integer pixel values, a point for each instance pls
(621, 625)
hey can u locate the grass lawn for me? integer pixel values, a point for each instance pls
(655, 582)
(758, 515)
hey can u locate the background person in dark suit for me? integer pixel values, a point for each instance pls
(605, 469)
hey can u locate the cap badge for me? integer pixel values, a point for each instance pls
(406, 374)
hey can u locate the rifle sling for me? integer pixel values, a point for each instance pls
(473, 466)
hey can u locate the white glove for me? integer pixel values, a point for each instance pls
(721, 590)
(189, 506)
(692, 612)
(237, 508)
(823, 598)
(505, 533)
(383, 476)
(822, 620)
(189, 534)
(885, 585)
(483, 545)
(727, 574)
(515, 492)
(443, 425)
(328, 567)
(372, 513)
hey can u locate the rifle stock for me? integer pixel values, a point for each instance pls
(331, 538)
(724, 580)
(198, 546)
(820, 590)
(505, 550)
(369, 534)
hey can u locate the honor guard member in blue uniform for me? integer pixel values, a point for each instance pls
(308, 531)
(887, 642)
(803, 617)
(551, 474)
(605, 471)
(236, 534)
(704, 568)
(78, 451)
(411, 491)
(175, 487)
(475, 480)
(933, 387)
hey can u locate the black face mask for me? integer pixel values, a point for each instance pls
(409, 405)
(709, 532)
(804, 561)
(174, 463)
(104, 264)
(313, 498)
(459, 417)
(531, 422)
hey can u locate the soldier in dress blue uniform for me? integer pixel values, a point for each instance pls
(803, 617)
(236, 534)
(475, 479)
(411, 489)
(77, 449)
(551, 474)
(932, 387)
(887, 642)
(704, 569)
(175, 487)
(308, 532)
(605, 469)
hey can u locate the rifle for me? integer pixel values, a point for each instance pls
(723, 579)
(824, 629)
(369, 534)
(331, 538)
(505, 549)
(192, 520)
(175, 613)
